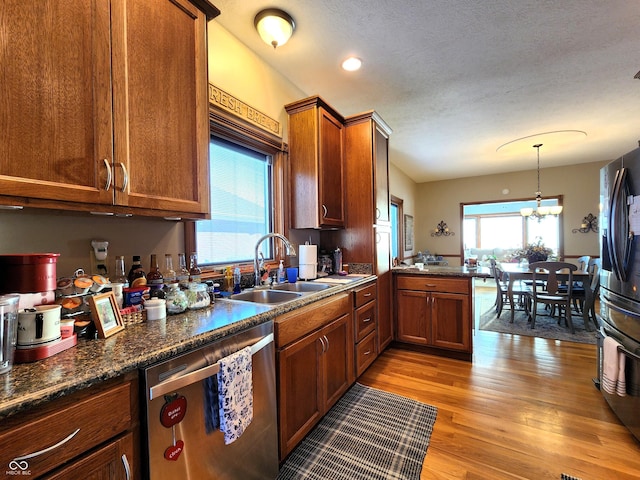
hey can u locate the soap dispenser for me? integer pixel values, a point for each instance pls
(281, 272)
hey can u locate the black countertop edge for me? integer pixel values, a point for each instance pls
(90, 362)
(435, 270)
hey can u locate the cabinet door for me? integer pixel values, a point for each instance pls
(160, 105)
(385, 294)
(55, 119)
(382, 176)
(337, 359)
(451, 321)
(299, 393)
(330, 170)
(114, 461)
(413, 316)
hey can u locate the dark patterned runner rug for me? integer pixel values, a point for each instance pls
(369, 434)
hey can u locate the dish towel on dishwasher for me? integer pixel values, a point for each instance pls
(235, 394)
(613, 368)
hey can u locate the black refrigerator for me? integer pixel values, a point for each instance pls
(620, 288)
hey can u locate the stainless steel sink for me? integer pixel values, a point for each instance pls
(266, 296)
(302, 287)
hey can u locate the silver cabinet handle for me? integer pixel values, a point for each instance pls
(368, 352)
(367, 294)
(366, 320)
(48, 449)
(126, 177)
(326, 340)
(377, 213)
(125, 464)
(324, 345)
(324, 211)
(108, 182)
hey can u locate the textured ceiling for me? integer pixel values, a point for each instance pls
(456, 79)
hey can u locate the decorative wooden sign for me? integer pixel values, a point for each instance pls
(231, 104)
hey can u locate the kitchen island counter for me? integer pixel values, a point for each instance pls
(93, 361)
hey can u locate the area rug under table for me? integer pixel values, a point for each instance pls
(546, 326)
(369, 434)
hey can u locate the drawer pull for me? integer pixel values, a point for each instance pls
(366, 320)
(367, 294)
(125, 464)
(48, 449)
(430, 285)
(367, 352)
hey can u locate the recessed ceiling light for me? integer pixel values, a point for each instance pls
(352, 64)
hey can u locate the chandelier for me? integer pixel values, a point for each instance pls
(540, 211)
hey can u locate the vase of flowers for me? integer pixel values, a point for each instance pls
(534, 252)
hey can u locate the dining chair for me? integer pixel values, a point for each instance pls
(583, 262)
(501, 286)
(591, 289)
(555, 274)
(579, 288)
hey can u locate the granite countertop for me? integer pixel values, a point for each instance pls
(480, 272)
(93, 361)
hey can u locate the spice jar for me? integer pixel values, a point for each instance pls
(198, 296)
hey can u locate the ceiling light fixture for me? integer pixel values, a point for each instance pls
(351, 64)
(274, 26)
(540, 211)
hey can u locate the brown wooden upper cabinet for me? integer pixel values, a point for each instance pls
(316, 149)
(105, 105)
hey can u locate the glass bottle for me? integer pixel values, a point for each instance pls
(182, 273)
(155, 280)
(195, 274)
(169, 273)
(119, 275)
(137, 276)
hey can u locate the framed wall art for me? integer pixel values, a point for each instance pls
(408, 232)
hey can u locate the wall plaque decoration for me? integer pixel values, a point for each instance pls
(231, 104)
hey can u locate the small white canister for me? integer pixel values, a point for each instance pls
(156, 309)
(38, 326)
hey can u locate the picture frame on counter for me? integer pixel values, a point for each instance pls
(106, 314)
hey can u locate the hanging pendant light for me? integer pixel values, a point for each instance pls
(540, 211)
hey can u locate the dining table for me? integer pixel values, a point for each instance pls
(518, 272)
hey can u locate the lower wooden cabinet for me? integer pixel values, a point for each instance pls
(90, 434)
(315, 365)
(112, 461)
(434, 312)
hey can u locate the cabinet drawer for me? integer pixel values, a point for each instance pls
(294, 325)
(75, 426)
(365, 353)
(426, 283)
(365, 294)
(365, 320)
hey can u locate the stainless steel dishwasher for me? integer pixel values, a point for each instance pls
(178, 445)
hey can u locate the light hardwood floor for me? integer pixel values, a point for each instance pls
(525, 408)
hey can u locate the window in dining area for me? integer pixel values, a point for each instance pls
(497, 229)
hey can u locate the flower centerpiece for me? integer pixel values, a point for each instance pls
(534, 252)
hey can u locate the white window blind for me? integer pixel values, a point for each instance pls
(240, 183)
